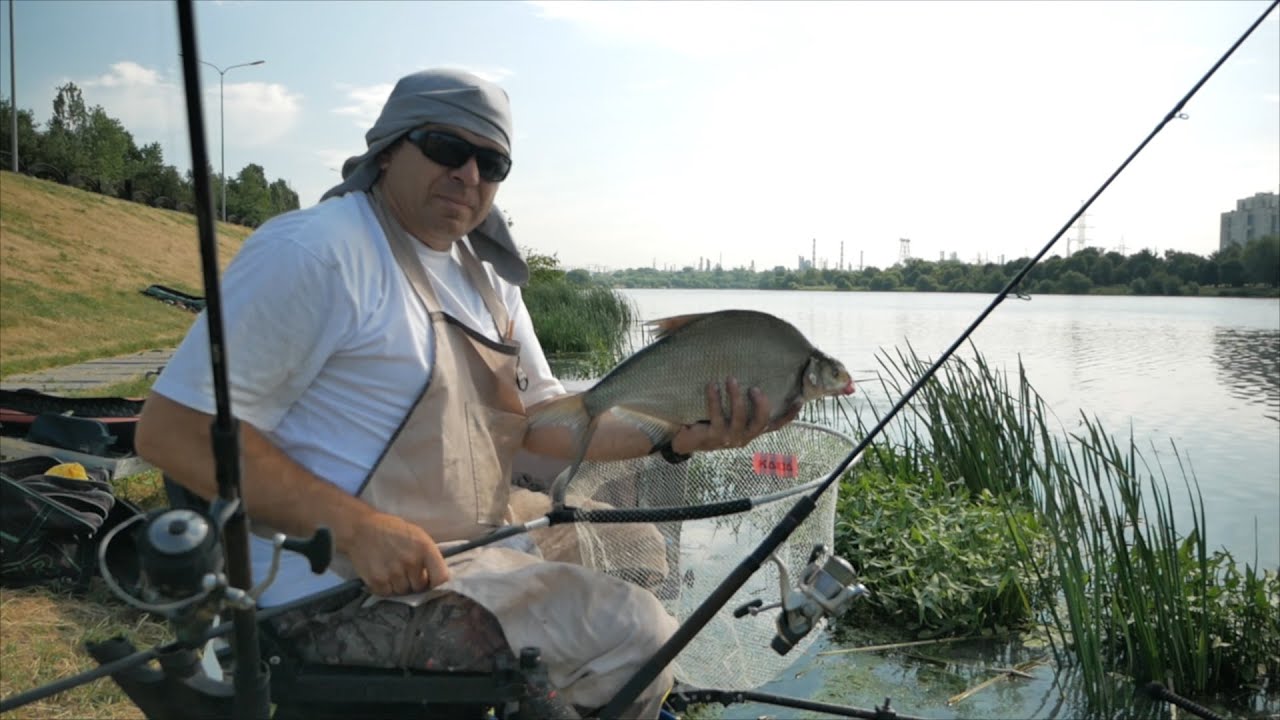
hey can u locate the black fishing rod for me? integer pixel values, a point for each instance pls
(806, 505)
(252, 693)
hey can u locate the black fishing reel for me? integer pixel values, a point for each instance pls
(828, 585)
(181, 563)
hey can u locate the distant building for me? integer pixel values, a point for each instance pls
(1255, 217)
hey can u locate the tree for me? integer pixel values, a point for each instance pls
(63, 147)
(249, 197)
(543, 268)
(1261, 259)
(107, 147)
(69, 112)
(28, 136)
(1102, 271)
(1231, 272)
(1074, 282)
(283, 198)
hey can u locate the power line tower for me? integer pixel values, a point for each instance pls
(904, 250)
(1081, 241)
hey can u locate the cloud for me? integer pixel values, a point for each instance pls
(139, 97)
(1271, 98)
(699, 29)
(363, 103)
(257, 113)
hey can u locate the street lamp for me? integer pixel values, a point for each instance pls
(222, 125)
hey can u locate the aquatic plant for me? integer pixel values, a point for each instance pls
(1131, 598)
(584, 327)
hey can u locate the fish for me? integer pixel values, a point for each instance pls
(662, 388)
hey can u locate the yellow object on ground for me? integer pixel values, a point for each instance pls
(72, 470)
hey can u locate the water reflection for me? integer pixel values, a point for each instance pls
(1248, 363)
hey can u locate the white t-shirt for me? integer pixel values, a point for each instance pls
(328, 347)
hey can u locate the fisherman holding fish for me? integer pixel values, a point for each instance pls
(385, 372)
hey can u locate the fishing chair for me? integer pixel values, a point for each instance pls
(302, 690)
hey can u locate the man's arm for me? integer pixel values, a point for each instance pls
(392, 555)
(616, 439)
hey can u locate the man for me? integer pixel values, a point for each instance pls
(382, 363)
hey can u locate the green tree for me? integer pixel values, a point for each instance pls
(29, 137)
(283, 198)
(107, 146)
(62, 146)
(1074, 282)
(1102, 271)
(886, 281)
(249, 196)
(1261, 260)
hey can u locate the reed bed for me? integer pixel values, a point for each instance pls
(584, 328)
(1128, 596)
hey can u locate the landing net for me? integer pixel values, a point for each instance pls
(683, 562)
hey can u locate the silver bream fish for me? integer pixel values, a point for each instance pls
(662, 388)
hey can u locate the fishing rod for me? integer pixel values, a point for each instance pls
(806, 505)
(252, 693)
(196, 563)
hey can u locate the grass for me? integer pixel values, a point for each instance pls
(43, 632)
(72, 268)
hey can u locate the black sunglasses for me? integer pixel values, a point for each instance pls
(454, 152)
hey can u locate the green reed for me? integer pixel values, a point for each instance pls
(584, 328)
(1132, 597)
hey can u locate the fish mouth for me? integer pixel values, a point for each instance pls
(848, 388)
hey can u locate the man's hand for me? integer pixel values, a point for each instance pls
(393, 556)
(738, 429)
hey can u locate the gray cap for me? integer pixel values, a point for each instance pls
(447, 97)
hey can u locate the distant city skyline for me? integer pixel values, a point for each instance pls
(742, 131)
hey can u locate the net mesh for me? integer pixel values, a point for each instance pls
(683, 562)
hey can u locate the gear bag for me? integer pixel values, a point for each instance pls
(50, 524)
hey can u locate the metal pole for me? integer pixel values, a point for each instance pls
(222, 140)
(13, 95)
(222, 121)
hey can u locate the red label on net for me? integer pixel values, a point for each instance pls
(775, 465)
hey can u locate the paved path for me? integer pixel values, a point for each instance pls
(90, 375)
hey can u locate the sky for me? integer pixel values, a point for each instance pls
(658, 134)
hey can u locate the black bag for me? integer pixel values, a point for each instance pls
(50, 526)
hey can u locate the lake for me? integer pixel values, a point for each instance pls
(1202, 373)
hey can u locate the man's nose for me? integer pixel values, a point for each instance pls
(468, 172)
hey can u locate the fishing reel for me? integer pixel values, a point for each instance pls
(181, 566)
(828, 585)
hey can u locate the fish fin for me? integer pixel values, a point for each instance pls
(561, 484)
(566, 411)
(668, 325)
(657, 429)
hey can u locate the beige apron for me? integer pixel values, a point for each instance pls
(448, 470)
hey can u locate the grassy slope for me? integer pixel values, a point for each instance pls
(72, 268)
(72, 265)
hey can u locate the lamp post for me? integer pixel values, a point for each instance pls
(222, 125)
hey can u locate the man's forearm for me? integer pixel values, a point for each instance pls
(275, 489)
(613, 439)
